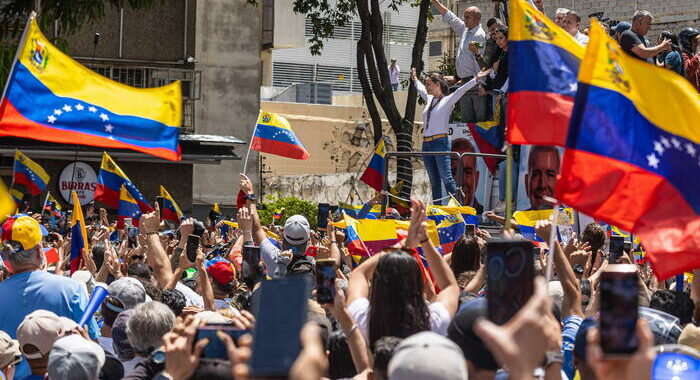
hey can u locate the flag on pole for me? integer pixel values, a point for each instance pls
(543, 63)
(30, 174)
(79, 240)
(52, 206)
(632, 156)
(171, 211)
(488, 137)
(109, 182)
(273, 134)
(128, 208)
(51, 97)
(374, 174)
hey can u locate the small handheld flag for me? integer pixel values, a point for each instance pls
(374, 174)
(30, 174)
(171, 211)
(109, 182)
(273, 134)
(127, 209)
(79, 240)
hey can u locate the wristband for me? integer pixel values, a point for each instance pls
(352, 330)
(247, 232)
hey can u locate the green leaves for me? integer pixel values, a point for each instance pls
(324, 18)
(291, 206)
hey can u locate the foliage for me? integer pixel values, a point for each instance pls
(291, 206)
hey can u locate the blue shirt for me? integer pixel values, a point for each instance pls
(24, 293)
(568, 336)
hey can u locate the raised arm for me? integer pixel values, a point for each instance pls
(454, 97)
(206, 290)
(257, 231)
(156, 256)
(419, 86)
(653, 51)
(456, 23)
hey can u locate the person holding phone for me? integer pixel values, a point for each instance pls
(396, 306)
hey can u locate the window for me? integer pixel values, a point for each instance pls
(435, 48)
(268, 23)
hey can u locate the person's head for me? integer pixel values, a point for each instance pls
(397, 307)
(675, 303)
(466, 255)
(472, 17)
(580, 347)
(175, 300)
(436, 85)
(110, 309)
(560, 15)
(98, 254)
(383, 351)
(222, 276)
(129, 291)
(470, 176)
(139, 271)
(501, 37)
(620, 28)
(393, 61)
(148, 324)
(36, 335)
(428, 356)
(340, 363)
(75, 358)
(478, 357)
(571, 22)
(492, 24)
(594, 234)
(668, 35)
(541, 178)
(688, 39)
(120, 339)
(21, 243)
(10, 355)
(296, 233)
(641, 22)
(539, 4)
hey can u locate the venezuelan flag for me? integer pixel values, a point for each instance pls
(30, 174)
(527, 219)
(347, 209)
(544, 60)
(171, 211)
(368, 236)
(374, 174)
(450, 225)
(278, 213)
(633, 153)
(52, 206)
(79, 239)
(51, 97)
(274, 135)
(488, 139)
(109, 182)
(17, 196)
(128, 208)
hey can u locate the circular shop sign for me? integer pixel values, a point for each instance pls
(84, 182)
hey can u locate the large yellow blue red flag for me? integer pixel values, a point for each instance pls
(632, 155)
(128, 208)
(79, 237)
(274, 135)
(51, 97)
(109, 182)
(543, 62)
(171, 211)
(374, 174)
(30, 174)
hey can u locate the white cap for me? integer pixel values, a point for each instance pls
(74, 357)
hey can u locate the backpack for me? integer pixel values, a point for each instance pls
(301, 265)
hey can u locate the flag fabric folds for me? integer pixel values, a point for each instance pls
(109, 182)
(52, 206)
(8, 203)
(450, 225)
(374, 174)
(51, 97)
(527, 219)
(488, 139)
(543, 62)
(30, 174)
(128, 208)
(633, 156)
(171, 211)
(17, 196)
(79, 239)
(273, 134)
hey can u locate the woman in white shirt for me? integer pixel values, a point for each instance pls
(436, 117)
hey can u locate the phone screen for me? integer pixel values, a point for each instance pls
(192, 245)
(619, 290)
(325, 281)
(280, 313)
(216, 349)
(470, 230)
(132, 234)
(510, 276)
(617, 244)
(323, 209)
(250, 267)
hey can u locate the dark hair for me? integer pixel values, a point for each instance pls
(439, 79)
(493, 20)
(503, 30)
(175, 300)
(223, 288)
(383, 351)
(152, 290)
(594, 234)
(109, 315)
(340, 364)
(466, 256)
(668, 35)
(98, 254)
(139, 270)
(673, 302)
(396, 305)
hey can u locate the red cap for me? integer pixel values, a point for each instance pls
(222, 271)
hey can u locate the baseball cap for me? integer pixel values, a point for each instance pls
(581, 342)
(129, 291)
(75, 358)
(120, 340)
(296, 230)
(461, 332)
(690, 336)
(220, 270)
(666, 327)
(23, 229)
(41, 329)
(622, 26)
(427, 356)
(9, 350)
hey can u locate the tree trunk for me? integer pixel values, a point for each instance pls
(367, 94)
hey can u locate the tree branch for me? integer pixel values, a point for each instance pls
(367, 94)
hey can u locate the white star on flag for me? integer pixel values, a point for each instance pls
(665, 141)
(52, 119)
(104, 116)
(67, 108)
(653, 161)
(690, 149)
(79, 107)
(57, 112)
(573, 87)
(108, 128)
(676, 143)
(92, 109)
(658, 147)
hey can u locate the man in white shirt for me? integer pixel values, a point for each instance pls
(394, 72)
(571, 24)
(471, 46)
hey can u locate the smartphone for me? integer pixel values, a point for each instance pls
(510, 276)
(216, 349)
(132, 235)
(250, 267)
(617, 245)
(470, 230)
(325, 281)
(619, 292)
(127, 222)
(192, 245)
(159, 201)
(280, 313)
(323, 209)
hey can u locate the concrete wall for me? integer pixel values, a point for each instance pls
(228, 53)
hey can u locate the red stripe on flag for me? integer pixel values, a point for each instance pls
(279, 148)
(108, 196)
(538, 118)
(22, 179)
(373, 178)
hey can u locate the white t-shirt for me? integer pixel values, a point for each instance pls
(106, 344)
(191, 297)
(439, 317)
